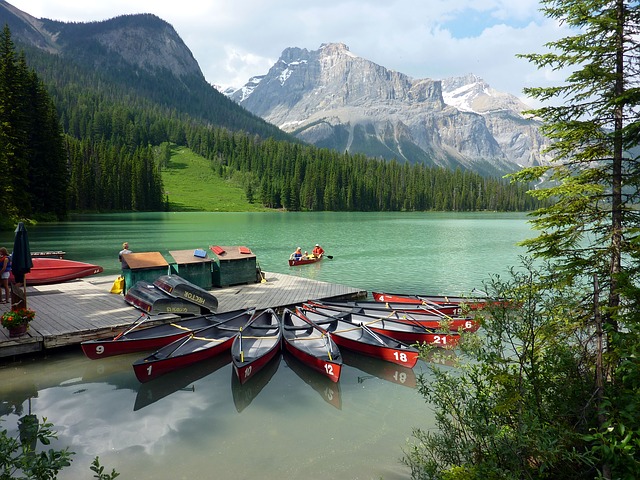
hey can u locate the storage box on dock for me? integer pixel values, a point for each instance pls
(144, 266)
(233, 266)
(193, 267)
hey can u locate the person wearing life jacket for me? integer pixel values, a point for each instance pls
(297, 255)
(318, 251)
(5, 273)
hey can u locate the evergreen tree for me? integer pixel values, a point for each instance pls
(551, 390)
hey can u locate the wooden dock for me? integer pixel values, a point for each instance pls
(72, 312)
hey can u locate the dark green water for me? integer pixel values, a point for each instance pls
(287, 423)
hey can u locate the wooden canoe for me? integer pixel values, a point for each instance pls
(362, 339)
(136, 338)
(311, 345)
(257, 343)
(410, 333)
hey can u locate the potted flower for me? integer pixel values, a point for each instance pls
(17, 321)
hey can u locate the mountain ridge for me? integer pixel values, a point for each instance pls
(333, 98)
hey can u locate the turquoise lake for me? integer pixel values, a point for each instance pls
(288, 423)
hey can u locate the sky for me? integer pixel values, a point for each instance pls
(233, 40)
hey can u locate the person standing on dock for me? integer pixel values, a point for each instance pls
(5, 272)
(123, 263)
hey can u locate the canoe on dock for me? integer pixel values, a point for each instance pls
(178, 287)
(50, 270)
(153, 301)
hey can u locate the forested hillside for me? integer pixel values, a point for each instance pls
(114, 115)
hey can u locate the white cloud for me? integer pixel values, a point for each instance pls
(233, 41)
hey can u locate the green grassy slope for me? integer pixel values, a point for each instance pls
(192, 186)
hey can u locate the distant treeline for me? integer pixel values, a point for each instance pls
(111, 122)
(299, 177)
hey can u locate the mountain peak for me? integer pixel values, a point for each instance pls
(333, 98)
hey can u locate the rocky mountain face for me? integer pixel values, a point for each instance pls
(141, 41)
(333, 98)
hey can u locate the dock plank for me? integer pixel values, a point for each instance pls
(72, 312)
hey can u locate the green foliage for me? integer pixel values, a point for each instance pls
(32, 160)
(21, 459)
(551, 386)
(521, 400)
(99, 471)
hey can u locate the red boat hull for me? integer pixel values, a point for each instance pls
(47, 271)
(247, 370)
(435, 300)
(407, 358)
(427, 320)
(384, 347)
(295, 263)
(331, 370)
(107, 348)
(259, 342)
(146, 371)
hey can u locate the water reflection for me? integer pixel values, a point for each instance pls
(375, 367)
(183, 380)
(328, 390)
(245, 393)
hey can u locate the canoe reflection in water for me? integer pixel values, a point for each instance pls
(375, 367)
(328, 390)
(244, 393)
(183, 380)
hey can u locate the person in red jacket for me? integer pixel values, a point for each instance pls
(318, 251)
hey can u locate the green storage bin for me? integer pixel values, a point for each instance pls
(144, 266)
(233, 268)
(194, 269)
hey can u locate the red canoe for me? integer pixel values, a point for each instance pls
(440, 309)
(431, 319)
(410, 333)
(136, 339)
(196, 347)
(57, 270)
(304, 261)
(362, 339)
(311, 345)
(433, 300)
(256, 344)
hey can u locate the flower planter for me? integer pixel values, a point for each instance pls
(18, 331)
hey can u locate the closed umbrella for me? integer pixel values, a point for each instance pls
(21, 262)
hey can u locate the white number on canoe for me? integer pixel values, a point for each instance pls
(401, 356)
(100, 349)
(468, 324)
(149, 368)
(440, 339)
(328, 368)
(247, 371)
